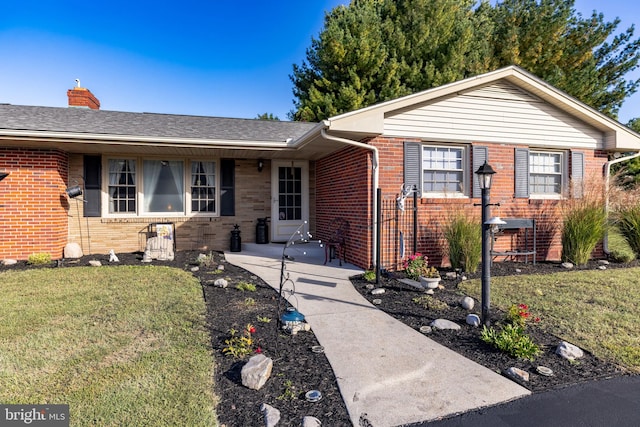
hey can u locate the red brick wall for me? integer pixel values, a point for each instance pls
(347, 173)
(33, 207)
(343, 190)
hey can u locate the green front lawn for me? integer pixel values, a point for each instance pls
(120, 345)
(596, 310)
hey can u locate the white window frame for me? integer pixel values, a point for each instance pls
(464, 191)
(562, 174)
(139, 162)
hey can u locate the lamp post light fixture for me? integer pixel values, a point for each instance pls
(485, 176)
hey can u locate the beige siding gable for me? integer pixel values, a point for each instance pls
(499, 112)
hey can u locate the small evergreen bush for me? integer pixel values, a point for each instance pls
(40, 258)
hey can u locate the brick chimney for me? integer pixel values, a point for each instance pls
(80, 97)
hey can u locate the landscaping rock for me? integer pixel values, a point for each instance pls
(310, 421)
(72, 250)
(463, 277)
(194, 269)
(376, 301)
(602, 267)
(201, 258)
(95, 263)
(603, 262)
(221, 267)
(569, 351)
(256, 371)
(567, 265)
(221, 283)
(271, 415)
(518, 374)
(444, 324)
(9, 262)
(518, 270)
(473, 320)
(467, 303)
(451, 275)
(429, 292)
(370, 286)
(378, 291)
(426, 329)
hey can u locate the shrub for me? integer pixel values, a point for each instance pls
(584, 226)
(40, 258)
(512, 340)
(628, 222)
(246, 286)
(240, 345)
(464, 241)
(369, 276)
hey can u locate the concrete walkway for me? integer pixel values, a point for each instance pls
(388, 373)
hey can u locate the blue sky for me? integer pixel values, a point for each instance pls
(207, 57)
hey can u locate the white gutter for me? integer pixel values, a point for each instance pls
(374, 151)
(607, 172)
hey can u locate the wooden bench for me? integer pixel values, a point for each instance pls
(526, 224)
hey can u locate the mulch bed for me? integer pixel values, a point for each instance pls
(297, 370)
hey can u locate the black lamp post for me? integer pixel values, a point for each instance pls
(485, 175)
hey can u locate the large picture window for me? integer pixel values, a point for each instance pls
(163, 186)
(148, 187)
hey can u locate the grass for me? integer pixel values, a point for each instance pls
(121, 345)
(595, 309)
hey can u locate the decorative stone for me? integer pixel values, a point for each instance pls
(95, 263)
(376, 301)
(518, 374)
(569, 351)
(271, 415)
(369, 286)
(160, 248)
(467, 303)
(429, 292)
(603, 262)
(445, 324)
(378, 291)
(221, 283)
(473, 319)
(72, 250)
(426, 329)
(256, 371)
(9, 262)
(463, 277)
(543, 370)
(221, 267)
(602, 267)
(567, 265)
(310, 421)
(201, 258)
(518, 270)
(451, 275)
(113, 257)
(194, 269)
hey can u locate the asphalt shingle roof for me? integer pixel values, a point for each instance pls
(102, 122)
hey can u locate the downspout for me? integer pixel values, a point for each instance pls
(374, 151)
(607, 172)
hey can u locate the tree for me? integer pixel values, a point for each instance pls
(267, 116)
(376, 50)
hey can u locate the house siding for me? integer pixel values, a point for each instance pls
(498, 113)
(34, 209)
(253, 200)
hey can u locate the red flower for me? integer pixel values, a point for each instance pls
(537, 319)
(523, 307)
(252, 330)
(259, 350)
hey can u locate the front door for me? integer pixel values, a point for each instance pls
(289, 198)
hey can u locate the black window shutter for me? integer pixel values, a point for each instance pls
(227, 187)
(480, 155)
(577, 174)
(521, 172)
(412, 166)
(92, 185)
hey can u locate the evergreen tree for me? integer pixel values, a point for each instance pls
(376, 50)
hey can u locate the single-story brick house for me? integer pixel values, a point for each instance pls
(205, 174)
